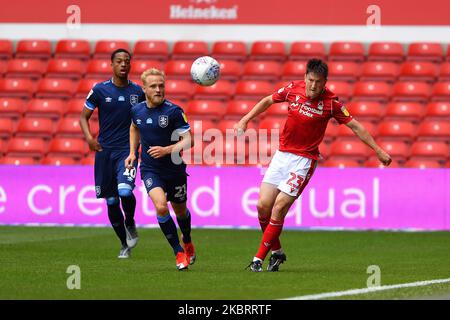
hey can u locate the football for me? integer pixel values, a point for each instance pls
(205, 71)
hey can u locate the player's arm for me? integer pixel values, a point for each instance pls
(186, 142)
(134, 143)
(365, 137)
(84, 124)
(259, 108)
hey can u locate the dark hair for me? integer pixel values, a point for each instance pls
(317, 66)
(119, 51)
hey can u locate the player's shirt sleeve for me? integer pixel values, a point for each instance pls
(340, 112)
(282, 93)
(92, 99)
(181, 124)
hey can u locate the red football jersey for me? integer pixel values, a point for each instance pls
(307, 119)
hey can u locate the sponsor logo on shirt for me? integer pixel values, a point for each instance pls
(121, 98)
(149, 121)
(345, 111)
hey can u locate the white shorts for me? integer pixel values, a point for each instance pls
(290, 172)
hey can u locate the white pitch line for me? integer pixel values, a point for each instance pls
(367, 290)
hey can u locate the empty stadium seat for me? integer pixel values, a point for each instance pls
(272, 124)
(366, 110)
(252, 90)
(26, 68)
(444, 72)
(230, 70)
(71, 147)
(345, 132)
(268, 50)
(341, 163)
(341, 89)
(346, 51)
(17, 88)
(277, 110)
(35, 127)
(139, 66)
(330, 132)
(98, 68)
(425, 51)
(373, 162)
(441, 91)
(45, 108)
(379, 71)
(398, 150)
(11, 107)
(212, 109)
(229, 50)
(179, 89)
(73, 49)
(408, 111)
(343, 71)
(293, 70)
(301, 50)
(104, 48)
(6, 128)
(151, 50)
(55, 88)
(87, 161)
(3, 66)
(261, 70)
(386, 51)
(411, 91)
(70, 127)
(236, 109)
(434, 130)
(371, 91)
(75, 106)
(6, 49)
(422, 163)
(222, 90)
(397, 130)
(199, 126)
(17, 160)
(86, 85)
(438, 110)
(65, 68)
(436, 150)
(58, 161)
(33, 49)
(178, 69)
(31, 147)
(418, 71)
(188, 50)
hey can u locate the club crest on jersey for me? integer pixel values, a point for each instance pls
(134, 99)
(98, 190)
(149, 182)
(163, 121)
(320, 105)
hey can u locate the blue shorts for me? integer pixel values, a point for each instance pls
(111, 174)
(175, 186)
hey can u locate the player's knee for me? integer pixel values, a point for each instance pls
(161, 209)
(112, 201)
(263, 209)
(125, 192)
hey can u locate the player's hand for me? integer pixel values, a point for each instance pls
(240, 127)
(158, 152)
(129, 161)
(94, 145)
(384, 158)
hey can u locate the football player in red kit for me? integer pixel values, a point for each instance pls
(311, 106)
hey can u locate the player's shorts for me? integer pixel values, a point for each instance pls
(111, 174)
(290, 172)
(175, 186)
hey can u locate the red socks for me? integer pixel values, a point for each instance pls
(276, 245)
(270, 238)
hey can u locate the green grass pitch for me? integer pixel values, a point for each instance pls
(34, 261)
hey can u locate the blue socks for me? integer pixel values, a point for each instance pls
(169, 229)
(185, 226)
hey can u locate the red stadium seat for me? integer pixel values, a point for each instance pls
(350, 149)
(86, 85)
(104, 48)
(438, 110)
(408, 111)
(268, 50)
(184, 50)
(229, 50)
(422, 163)
(98, 68)
(294, 70)
(87, 161)
(75, 106)
(434, 130)
(230, 70)
(441, 91)
(17, 88)
(151, 50)
(444, 72)
(228, 124)
(26, 68)
(65, 68)
(307, 50)
(341, 163)
(252, 90)
(199, 126)
(35, 127)
(139, 66)
(222, 90)
(418, 71)
(6, 128)
(179, 89)
(209, 109)
(411, 91)
(346, 51)
(379, 71)
(371, 91)
(11, 108)
(430, 149)
(272, 124)
(18, 160)
(178, 69)
(70, 127)
(262, 70)
(448, 53)
(31, 147)
(341, 89)
(343, 71)
(73, 49)
(6, 49)
(46, 108)
(236, 109)
(55, 88)
(398, 150)
(345, 132)
(71, 147)
(373, 162)
(386, 51)
(277, 110)
(397, 130)
(425, 51)
(3, 66)
(33, 49)
(366, 110)
(58, 161)
(330, 132)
